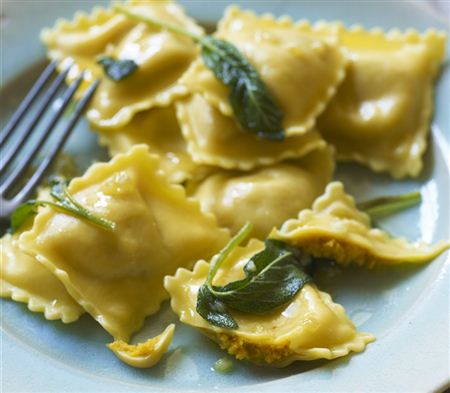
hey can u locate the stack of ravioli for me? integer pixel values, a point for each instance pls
(184, 175)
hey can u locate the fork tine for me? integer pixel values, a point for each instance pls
(27, 101)
(51, 92)
(44, 165)
(20, 169)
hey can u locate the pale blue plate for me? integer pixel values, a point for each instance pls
(406, 308)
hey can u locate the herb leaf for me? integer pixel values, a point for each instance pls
(117, 69)
(64, 201)
(386, 205)
(251, 101)
(214, 310)
(23, 213)
(272, 278)
(253, 105)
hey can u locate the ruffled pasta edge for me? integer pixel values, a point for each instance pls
(200, 157)
(37, 304)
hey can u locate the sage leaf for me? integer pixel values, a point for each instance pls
(252, 103)
(272, 278)
(386, 205)
(23, 213)
(117, 70)
(66, 202)
(213, 310)
(63, 201)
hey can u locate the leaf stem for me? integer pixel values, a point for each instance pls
(232, 244)
(386, 205)
(163, 25)
(85, 214)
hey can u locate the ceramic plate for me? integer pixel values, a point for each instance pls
(406, 308)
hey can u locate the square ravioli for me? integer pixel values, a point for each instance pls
(301, 65)
(267, 196)
(311, 326)
(161, 56)
(117, 276)
(381, 113)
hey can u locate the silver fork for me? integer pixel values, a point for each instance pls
(8, 153)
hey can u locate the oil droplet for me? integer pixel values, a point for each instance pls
(223, 365)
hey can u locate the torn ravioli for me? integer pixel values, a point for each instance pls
(334, 228)
(381, 114)
(266, 196)
(144, 355)
(117, 276)
(215, 139)
(310, 327)
(158, 128)
(161, 56)
(301, 65)
(24, 279)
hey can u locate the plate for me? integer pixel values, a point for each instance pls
(406, 308)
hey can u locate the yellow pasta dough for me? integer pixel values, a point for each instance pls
(24, 279)
(158, 128)
(267, 196)
(162, 57)
(144, 355)
(300, 64)
(215, 139)
(117, 275)
(334, 228)
(310, 327)
(381, 113)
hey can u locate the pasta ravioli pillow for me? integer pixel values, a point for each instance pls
(117, 276)
(215, 139)
(300, 64)
(334, 228)
(266, 196)
(310, 327)
(381, 113)
(158, 128)
(161, 56)
(24, 279)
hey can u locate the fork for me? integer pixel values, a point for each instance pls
(9, 153)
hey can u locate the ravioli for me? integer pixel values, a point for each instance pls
(266, 196)
(24, 279)
(310, 327)
(158, 128)
(381, 114)
(162, 57)
(334, 228)
(117, 276)
(215, 139)
(301, 65)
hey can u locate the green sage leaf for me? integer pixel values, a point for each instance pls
(253, 105)
(272, 278)
(63, 201)
(117, 70)
(386, 205)
(213, 310)
(23, 214)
